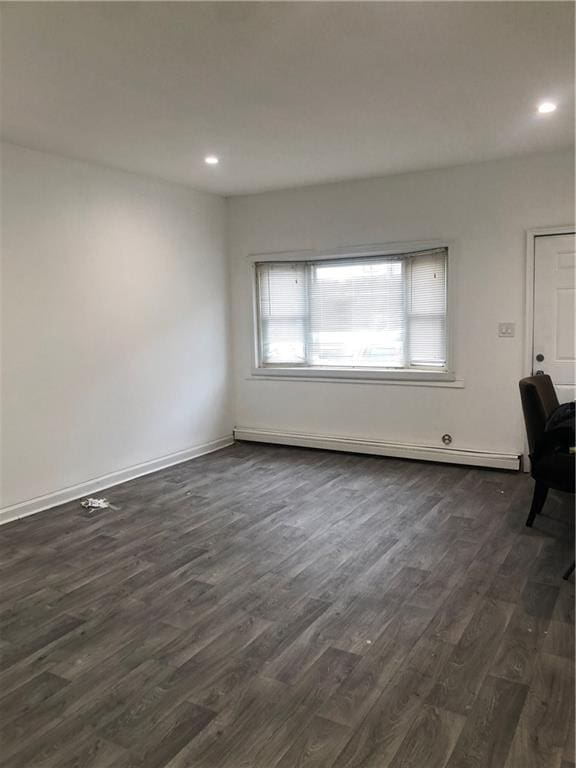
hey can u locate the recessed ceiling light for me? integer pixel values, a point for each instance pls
(211, 160)
(546, 107)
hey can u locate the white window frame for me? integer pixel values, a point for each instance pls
(350, 373)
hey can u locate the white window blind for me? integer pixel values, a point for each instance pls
(360, 312)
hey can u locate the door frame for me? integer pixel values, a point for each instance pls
(531, 237)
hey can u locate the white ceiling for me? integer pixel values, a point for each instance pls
(286, 93)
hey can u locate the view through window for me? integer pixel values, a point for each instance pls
(375, 312)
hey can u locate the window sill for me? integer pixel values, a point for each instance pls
(355, 376)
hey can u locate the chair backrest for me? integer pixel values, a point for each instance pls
(539, 400)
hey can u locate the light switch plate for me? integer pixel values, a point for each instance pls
(507, 330)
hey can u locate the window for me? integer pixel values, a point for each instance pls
(383, 313)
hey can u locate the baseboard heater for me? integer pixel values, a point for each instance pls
(380, 448)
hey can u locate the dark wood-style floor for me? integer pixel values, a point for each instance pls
(270, 607)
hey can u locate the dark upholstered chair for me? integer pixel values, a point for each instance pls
(539, 401)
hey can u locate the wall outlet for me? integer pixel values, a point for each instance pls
(507, 330)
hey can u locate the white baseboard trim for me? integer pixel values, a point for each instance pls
(381, 448)
(41, 503)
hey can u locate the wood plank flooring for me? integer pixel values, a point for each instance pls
(274, 607)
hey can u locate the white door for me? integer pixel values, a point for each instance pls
(554, 349)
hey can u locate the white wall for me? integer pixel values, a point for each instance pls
(486, 208)
(114, 323)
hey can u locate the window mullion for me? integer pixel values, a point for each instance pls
(306, 324)
(406, 272)
(262, 338)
